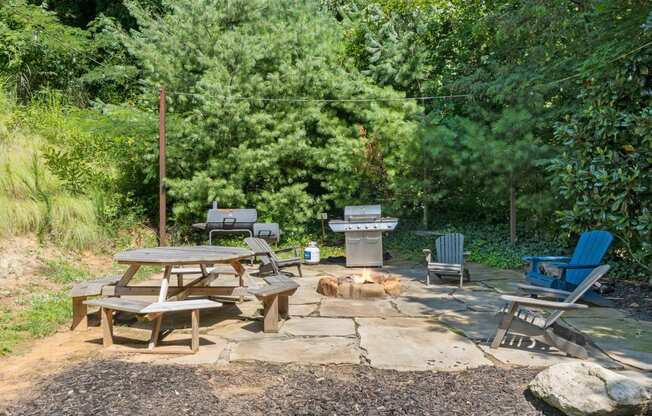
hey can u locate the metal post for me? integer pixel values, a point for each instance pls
(163, 240)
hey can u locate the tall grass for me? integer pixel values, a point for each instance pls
(32, 199)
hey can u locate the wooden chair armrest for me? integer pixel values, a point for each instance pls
(289, 249)
(538, 290)
(547, 304)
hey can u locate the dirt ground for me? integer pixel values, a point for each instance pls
(114, 387)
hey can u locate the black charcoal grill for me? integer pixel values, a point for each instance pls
(238, 220)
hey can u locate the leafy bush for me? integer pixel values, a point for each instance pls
(486, 244)
(605, 168)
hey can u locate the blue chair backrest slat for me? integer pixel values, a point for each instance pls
(590, 249)
(450, 249)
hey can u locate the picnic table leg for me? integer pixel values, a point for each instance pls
(194, 346)
(165, 283)
(242, 276)
(156, 329)
(107, 326)
(129, 274)
(283, 306)
(79, 313)
(180, 295)
(270, 314)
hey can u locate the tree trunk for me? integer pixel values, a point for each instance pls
(424, 219)
(512, 210)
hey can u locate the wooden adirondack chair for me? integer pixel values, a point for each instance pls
(547, 330)
(270, 262)
(450, 257)
(588, 254)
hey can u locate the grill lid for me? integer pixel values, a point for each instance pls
(232, 216)
(360, 212)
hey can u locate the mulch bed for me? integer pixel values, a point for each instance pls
(634, 297)
(113, 387)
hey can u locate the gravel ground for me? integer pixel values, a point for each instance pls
(634, 297)
(113, 387)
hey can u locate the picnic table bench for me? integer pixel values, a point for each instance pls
(82, 291)
(154, 311)
(275, 298)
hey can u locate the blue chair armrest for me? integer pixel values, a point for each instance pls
(576, 266)
(539, 259)
(535, 260)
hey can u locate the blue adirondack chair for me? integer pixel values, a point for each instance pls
(590, 250)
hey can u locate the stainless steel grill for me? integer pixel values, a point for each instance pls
(363, 226)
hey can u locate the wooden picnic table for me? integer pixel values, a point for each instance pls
(168, 257)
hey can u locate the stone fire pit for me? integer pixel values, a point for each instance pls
(362, 285)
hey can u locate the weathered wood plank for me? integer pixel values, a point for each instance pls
(107, 326)
(521, 300)
(194, 343)
(120, 304)
(79, 314)
(270, 314)
(181, 305)
(196, 270)
(182, 255)
(172, 291)
(156, 330)
(93, 287)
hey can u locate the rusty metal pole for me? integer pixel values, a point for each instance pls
(162, 235)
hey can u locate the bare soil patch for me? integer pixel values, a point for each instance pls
(114, 387)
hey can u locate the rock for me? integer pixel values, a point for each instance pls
(361, 290)
(582, 388)
(634, 305)
(327, 286)
(392, 286)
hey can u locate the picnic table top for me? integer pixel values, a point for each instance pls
(182, 255)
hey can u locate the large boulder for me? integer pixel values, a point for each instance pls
(581, 388)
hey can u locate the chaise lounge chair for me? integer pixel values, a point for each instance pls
(270, 262)
(514, 319)
(588, 254)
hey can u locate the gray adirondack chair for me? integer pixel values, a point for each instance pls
(515, 319)
(450, 257)
(270, 262)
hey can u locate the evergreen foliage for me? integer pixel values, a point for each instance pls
(288, 159)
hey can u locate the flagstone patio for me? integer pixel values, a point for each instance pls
(441, 327)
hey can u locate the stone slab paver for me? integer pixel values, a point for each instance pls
(303, 310)
(319, 327)
(424, 305)
(478, 326)
(350, 308)
(482, 301)
(624, 339)
(504, 286)
(416, 344)
(327, 350)
(305, 295)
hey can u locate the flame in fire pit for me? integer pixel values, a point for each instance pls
(365, 277)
